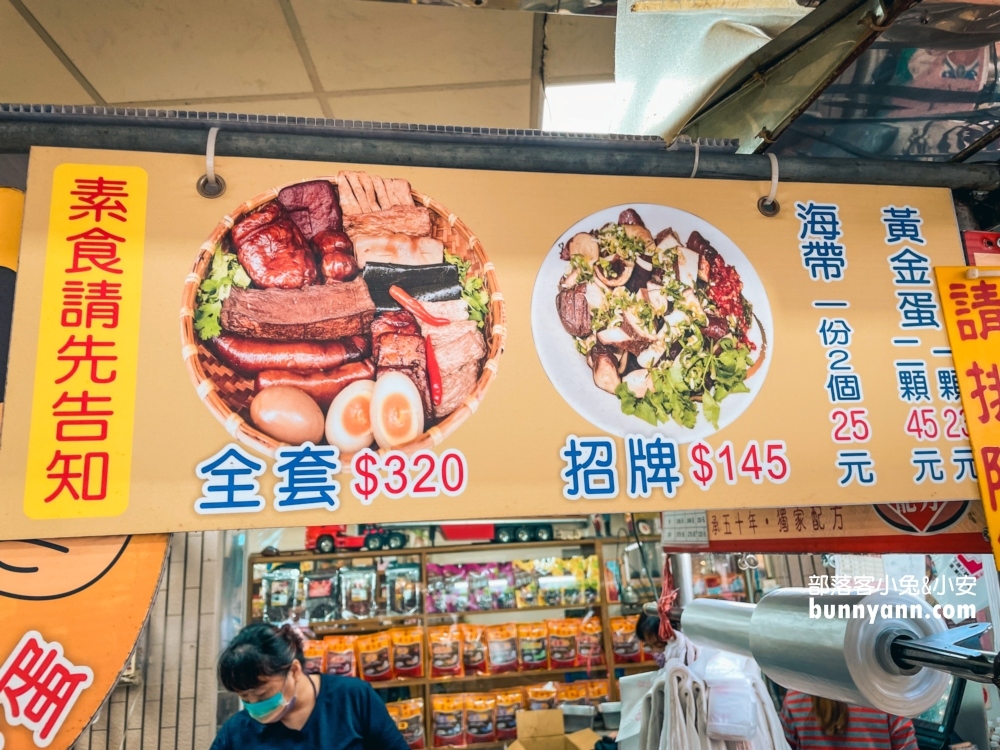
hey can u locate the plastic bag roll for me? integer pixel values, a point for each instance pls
(718, 624)
(846, 658)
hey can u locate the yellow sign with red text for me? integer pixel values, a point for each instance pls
(83, 407)
(971, 301)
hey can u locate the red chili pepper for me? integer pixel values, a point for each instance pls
(412, 306)
(433, 372)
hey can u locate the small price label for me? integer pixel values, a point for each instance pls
(396, 474)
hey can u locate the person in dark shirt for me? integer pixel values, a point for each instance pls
(286, 709)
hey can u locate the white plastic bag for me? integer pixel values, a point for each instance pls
(732, 709)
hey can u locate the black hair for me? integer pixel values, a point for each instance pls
(256, 653)
(646, 627)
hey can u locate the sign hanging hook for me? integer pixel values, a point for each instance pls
(768, 205)
(210, 185)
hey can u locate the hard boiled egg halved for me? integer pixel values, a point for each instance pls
(397, 413)
(348, 422)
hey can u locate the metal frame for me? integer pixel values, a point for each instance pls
(316, 139)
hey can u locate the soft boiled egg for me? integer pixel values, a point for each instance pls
(287, 414)
(397, 413)
(348, 422)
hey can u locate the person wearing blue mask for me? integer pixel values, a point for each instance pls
(286, 709)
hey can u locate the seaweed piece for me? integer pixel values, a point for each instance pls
(432, 283)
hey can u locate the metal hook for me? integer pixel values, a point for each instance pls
(769, 205)
(210, 185)
(697, 156)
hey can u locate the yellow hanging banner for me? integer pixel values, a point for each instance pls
(83, 407)
(971, 301)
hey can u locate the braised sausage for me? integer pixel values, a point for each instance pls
(336, 256)
(322, 386)
(250, 356)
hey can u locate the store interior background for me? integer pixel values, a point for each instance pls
(345, 59)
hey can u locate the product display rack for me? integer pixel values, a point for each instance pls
(604, 548)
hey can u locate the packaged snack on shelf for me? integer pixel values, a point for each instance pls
(340, 655)
(572, 693)
(590, 642)
(321, 596)
(502, 587)
(409, 718)
(480, 718)
(448, 717)
(315, 656)
(623, 641)
(525, 584)
(541, 697)
(551, 581)
(532, 645)
(474, 649)
(501, 643)
(280, 590)
(445, 651)
(573, 592)
(456, 588)
(407, 652)
(597, 692)
(374, 657)
(402, 588)
(357, 593)
(435, 600)
(478, 578)
(563, 635)
(592, 579)
(508, 703)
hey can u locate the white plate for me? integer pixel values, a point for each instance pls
(568, 369)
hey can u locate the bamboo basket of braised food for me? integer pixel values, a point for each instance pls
(351, 311)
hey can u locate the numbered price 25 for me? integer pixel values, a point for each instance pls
(397, 475)
(756, 463)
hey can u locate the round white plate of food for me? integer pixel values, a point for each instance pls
(649, 320)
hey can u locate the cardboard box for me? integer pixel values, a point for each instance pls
(545, 730)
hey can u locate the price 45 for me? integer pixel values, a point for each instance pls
(755, 463)
(396, 474)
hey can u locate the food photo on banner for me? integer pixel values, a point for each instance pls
(509, 465)
(373, 344)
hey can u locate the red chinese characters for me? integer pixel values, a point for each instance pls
(93, 288)
(38, 687)
(977, 308)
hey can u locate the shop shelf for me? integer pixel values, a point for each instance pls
(560, 607)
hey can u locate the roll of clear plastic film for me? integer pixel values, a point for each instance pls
(833, 646)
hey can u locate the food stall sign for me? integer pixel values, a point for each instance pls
(971, 301)
(934, 527)
(337, 344)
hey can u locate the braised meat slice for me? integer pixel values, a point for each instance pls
(318, 312)
(574, 310)
(393, 322)
(272, 250)
(412, 220)
(313, 206)
(405, 353)
(458, 347)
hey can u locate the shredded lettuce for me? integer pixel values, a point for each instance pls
(224, 273)
(675, 387)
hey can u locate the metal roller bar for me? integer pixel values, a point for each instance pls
(947, 652)
(460, 148)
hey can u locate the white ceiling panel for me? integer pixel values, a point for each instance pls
(29, 72)
(359, 45)
(492, 106)
(142, 50)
